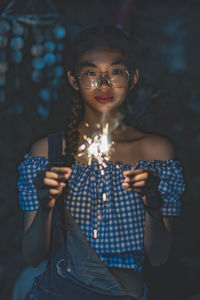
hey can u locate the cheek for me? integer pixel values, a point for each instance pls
(121, 94)
(86, 94)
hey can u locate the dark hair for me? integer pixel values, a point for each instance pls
(104, 36)
(91, 38)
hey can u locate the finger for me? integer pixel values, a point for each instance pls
(125, 185)
(61, 170)
(142, 176)
(138, 179)
(55, 192)
(138, 190)
(133, 172)
(128, 179)
(140, 183)
(51, 182)
(57, 176)
(130, 185)
(131, 189)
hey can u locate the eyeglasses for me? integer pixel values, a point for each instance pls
(115, 77)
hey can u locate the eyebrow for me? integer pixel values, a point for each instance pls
(90, 64)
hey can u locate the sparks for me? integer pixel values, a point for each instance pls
(97, 147)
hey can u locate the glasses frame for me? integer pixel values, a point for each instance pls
(78, 76)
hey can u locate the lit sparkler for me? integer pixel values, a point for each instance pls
(97, 147)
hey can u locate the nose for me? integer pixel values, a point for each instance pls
(104, 80)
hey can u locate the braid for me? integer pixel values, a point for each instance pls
(71, 133)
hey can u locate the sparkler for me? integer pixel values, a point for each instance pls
(97, 147)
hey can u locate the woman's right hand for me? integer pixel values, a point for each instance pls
(49, 185)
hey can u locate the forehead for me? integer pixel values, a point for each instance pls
(100, 57)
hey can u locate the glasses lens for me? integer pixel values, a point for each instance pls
(117, 77)
(89, 78)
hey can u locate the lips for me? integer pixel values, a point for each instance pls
(104, 98)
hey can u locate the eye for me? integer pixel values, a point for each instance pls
(117, 72)
(90, 73)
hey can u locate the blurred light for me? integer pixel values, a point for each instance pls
(37, 50)
(43, 111)
(49, 59)
(18, 29)
(177, 127)
(58, 71)
(2, 79)
(16, 109)
(4, 27)
(50, 46)
(55, 95)
(39, 37)
(17, 82)
(172, 28)
(59, 58)
(59, 32)
(60, 47)
(38, 63)
(55, 82)
(3, 67)
(45, 95)
(17, 56)
(3, 56)
(17, 43)
(194, 105)
(36, 76)
(3, 41)
(2, 96)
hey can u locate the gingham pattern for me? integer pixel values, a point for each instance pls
(27, 172)
(119, 220)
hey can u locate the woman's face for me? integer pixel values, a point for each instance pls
(103, 98)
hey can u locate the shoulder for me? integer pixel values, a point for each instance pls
(156, 147)
(40, 148)
(151, 146)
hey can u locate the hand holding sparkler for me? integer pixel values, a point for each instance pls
(146, 183)
(50, 183)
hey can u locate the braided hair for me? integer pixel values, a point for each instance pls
(92, 38)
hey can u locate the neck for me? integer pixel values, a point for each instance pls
(93, 122)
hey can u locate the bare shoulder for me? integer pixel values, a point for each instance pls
(40, 148)
(156, 147)
(148, 146)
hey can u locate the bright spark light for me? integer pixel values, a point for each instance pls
(99, 147)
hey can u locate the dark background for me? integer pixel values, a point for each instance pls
(30, 109)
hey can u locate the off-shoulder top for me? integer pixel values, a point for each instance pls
(112, 218)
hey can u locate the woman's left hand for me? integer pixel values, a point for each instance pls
(146, 183)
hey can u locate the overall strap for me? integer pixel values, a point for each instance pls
(55, 158)
(55, 147)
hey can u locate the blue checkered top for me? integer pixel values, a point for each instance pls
(100, 204)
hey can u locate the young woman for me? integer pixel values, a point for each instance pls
(125, 206)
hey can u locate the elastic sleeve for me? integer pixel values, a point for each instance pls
(28, 170)
(171, 186)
